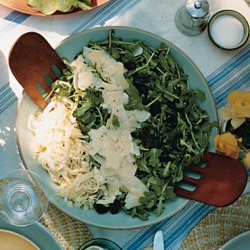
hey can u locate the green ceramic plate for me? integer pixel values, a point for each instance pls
(68, 49)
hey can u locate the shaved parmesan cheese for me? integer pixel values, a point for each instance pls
(110, 70)
(84, 80)
(109, 143)
(136, 190)
(84, 75)
(111, 193)
(114, 101)
(117, 150)
(133, 119)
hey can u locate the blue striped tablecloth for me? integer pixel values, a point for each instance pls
(224, 72)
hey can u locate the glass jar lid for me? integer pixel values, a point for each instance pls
(228, 29)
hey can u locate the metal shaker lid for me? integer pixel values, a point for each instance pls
(197, 8)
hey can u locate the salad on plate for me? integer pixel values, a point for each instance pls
(52, 6)
(121, 127)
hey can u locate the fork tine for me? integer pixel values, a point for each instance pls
(52, 75)
(57, 70)
(45, 86)
(184, 192)
(60, 64)
(34, 94)
(197, 169)
(190, 180)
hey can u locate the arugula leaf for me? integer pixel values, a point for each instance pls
(155, 154)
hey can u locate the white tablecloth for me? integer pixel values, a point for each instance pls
(224, 70)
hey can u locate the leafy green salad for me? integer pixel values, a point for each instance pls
(170, 132)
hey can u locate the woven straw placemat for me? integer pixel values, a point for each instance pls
(70, 233)
(219, 226)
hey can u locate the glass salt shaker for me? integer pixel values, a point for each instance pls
(192, 18)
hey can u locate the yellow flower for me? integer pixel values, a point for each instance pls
(227, 114)
(239, 108)
(227, 143)
(239, 101)
(246, 159)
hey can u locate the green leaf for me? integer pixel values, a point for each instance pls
(154, 160)
(115, 122)
(143, 165)
(159, 208)
(80, 111)
(135, 101)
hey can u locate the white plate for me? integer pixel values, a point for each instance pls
(240, 242)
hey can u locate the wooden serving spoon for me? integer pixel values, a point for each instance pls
(222, 180)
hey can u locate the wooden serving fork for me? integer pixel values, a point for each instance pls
(32, 60)
(221, 181)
